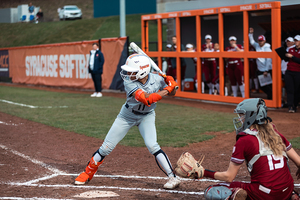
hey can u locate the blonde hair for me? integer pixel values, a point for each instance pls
(270, 138)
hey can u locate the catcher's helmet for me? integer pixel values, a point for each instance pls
(250, 111)
(137, 65)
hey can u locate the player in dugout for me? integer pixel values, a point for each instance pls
(266, 153)
(143, 90)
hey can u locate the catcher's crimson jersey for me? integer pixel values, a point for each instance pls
(230, 48)
(269, 171)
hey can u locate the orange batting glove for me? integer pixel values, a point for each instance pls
(171, 86)
(168, 79)
(140, 96)
(154, 97)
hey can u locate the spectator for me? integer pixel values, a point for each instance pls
(190, 48)
(209, 65)
(253, 69)
(292, 76)
(182, 61)
(39, 16)
(31, 9)
(96, 68)
(216, 47)
(289, 44)
(264, 65)
(235, 68)
(171, 71)
(216, 79)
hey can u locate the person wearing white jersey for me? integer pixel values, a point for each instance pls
(143, 90)
(264, 65)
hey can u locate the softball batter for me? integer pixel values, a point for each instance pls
(143, 90)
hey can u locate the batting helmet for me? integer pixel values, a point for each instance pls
(137, 66)
(250, 111)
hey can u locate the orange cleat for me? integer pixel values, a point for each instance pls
(89, 172)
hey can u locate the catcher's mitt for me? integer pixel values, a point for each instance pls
(188, 167)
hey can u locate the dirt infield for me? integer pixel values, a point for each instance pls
(42, 162)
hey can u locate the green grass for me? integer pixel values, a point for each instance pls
(295, 143)
(176, 126)
(24, 34)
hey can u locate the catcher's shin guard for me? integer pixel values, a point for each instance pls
(89, 172)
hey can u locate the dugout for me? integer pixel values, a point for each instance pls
(191, 27)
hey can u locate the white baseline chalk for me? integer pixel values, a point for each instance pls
(30, 106)
(31, 198)
(112, 187)
(52, 169)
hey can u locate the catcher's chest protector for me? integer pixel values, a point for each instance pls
(263, 150)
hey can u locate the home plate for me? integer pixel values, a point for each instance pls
(97, 193)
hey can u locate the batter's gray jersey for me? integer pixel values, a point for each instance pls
(153, 84)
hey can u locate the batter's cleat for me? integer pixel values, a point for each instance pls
(238, 194)
(89, 172)
(172, 183)
(82, 179)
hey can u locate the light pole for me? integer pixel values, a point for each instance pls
(122, 19)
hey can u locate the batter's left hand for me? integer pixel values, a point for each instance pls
(140, 96)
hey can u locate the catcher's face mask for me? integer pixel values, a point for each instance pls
(238, 122)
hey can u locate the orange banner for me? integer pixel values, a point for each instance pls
(63, 64)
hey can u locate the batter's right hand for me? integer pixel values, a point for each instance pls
(168, 79)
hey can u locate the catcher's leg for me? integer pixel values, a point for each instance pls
(219, 192)
(90, 169)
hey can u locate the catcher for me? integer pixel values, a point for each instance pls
(266, 152)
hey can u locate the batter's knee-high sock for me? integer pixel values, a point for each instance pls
(97, 156)
(163, 163)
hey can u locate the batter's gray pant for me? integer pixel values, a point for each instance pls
(124, 121)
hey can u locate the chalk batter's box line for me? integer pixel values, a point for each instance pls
(61, 173)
